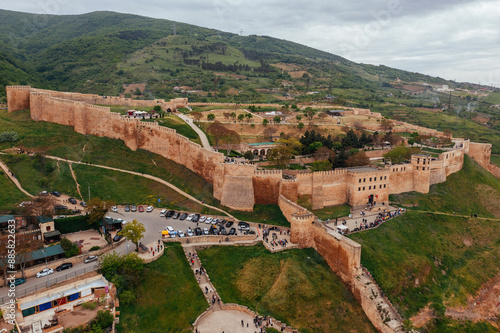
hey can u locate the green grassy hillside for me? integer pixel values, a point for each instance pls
(168, 300)
(295, 286)
(10, 195)
(423, 258)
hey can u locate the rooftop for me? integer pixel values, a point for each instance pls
(363, 169)
(6, 218)
(261, 143)
(45, 219)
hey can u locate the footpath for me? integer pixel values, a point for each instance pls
(201, 134)
(221, 317)
(13, 178)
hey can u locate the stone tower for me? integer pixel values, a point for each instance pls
(421, 172)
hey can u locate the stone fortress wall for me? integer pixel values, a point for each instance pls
(96, 120)
(241, 186)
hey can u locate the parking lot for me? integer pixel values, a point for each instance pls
(155, 224)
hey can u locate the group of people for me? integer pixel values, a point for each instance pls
(273, 232)
(381, 218)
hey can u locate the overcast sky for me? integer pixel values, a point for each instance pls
(453, 39)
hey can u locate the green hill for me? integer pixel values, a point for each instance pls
(423, 258)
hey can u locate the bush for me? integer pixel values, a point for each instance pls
(94, 248)
(90, 305)
(127, 297)
(104, 319)
(9, 136)
(72, 224)
(69, 248)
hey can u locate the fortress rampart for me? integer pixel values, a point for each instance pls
(240, 186)
(96, 120)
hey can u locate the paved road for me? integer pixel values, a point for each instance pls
(203, 137)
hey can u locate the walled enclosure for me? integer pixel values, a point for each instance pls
(241, 186)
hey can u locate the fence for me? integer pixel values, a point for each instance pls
(31, 289)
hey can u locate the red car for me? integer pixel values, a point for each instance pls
(141, 209)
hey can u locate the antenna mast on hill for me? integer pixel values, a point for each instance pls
(174, 30)
(241, 32)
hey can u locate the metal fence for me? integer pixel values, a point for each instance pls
(20, 291)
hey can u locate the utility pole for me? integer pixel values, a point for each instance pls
(89, 190)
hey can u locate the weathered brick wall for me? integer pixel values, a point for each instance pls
(99, 121)
(18, 97)
(266, 185)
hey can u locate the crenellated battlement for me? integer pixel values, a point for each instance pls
(18, 87)
(268, 172)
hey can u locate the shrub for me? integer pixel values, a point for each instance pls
(9, 136)
(104, 319)
(90, 305)
(94, 248)
(127, 297)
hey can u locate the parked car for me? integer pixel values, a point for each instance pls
(43, 193)
(133, 208)
(66, 265)
(232, 231)
(190, 232)
(150, 209)
(197, 231)
(243, 226)
(213, 230)
(117, 238)
(114, 209)
(19, 281)
(181, 233)
(190, 217)
(205, 231)
(90, 259)
(229, 223)
(222, 230)
(44, 272)
(141, 209)
(196, 218)
(73, 201)
(55, 193)
(169, 229)
(183, 216)
(127, 209)
(175, 216)
(83, 204)
(163, 212)
(202, 219)
(172, 234)
(170, 213)
(209, 220)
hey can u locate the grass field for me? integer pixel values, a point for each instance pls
(168, 300)
(495, 159)
(124, 188)
(295, 286)
(10, 195)
(37, 174)
(180, 126)
(472, 190)
(265, 214)
(332, 212)
(62, 141)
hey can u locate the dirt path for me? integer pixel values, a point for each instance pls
(449, 214)
(203, 137)
(14, 179)
(74, 177)
(159, 180)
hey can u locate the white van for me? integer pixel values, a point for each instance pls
(163, 213)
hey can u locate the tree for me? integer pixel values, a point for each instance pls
(157, 108)
(125, 271)
(249, 116)
(322, 115)
(299, 117)
(283, 152)
(248, 155)
(196, 115)
(400, 154)
(309, 113)
(265, 122)
(96, 210)
(230, 137)
(386, 125)
(39, 206)
(241, 116)
(321, 165)
(300, 126)
(218, 131)
(358, 159)
(269, 132)
(233, 115)
(69, 248)
(314, 146)
(357, 125)
(133, 231)
(277, 119)
(25, 245)
(351, 140)
(324, 153)
(211, 117)
(227, 115)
